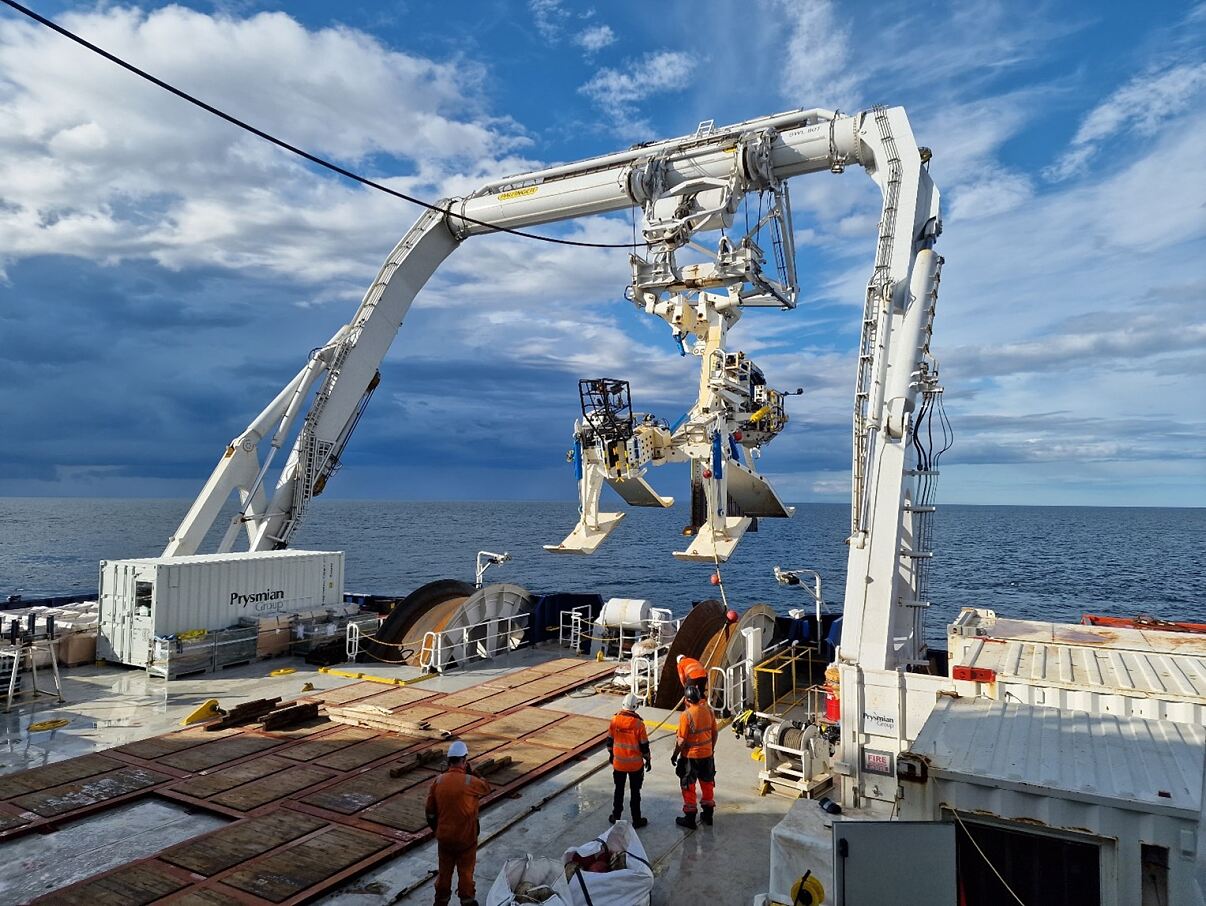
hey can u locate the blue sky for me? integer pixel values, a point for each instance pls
(162, 274)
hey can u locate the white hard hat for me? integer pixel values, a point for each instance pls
(458, 750)
(631, 702)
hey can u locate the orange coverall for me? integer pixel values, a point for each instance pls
(692, 671)
(452, 808)
(697, 734)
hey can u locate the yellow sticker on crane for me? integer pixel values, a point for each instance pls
(518, 193)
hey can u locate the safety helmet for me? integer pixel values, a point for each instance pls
(631, 702)
(458, 750)
(693, 694)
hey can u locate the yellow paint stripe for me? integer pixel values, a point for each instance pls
(369, 678)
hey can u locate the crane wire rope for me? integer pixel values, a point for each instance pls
(293, 149)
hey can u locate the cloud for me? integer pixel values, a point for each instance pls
(554, 22)
(550, 18)
(1126, 339)
(619, 92)
(595, 38)
(818, 66)
(1139, 108)
(98, 163)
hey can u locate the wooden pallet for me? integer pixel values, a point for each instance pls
(311, 806)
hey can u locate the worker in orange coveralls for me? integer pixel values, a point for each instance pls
(628, 752)
(693, 758)
(692, 673)
(452, 807)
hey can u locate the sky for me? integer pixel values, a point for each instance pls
(163, 274)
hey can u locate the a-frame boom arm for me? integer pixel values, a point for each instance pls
(335, 383)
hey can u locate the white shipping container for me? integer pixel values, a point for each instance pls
(163, 596)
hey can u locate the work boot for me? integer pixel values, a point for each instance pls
(639, 822)
(687, 821)
(706, 817)
(470, 902)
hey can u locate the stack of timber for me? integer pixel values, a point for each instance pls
(374, 717)
(246, 713)
(288, 717)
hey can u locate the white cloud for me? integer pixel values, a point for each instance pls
(1138, 108)
(96, 162)
(595, 38)
(550, 18)
(819, 68)
(619, 92)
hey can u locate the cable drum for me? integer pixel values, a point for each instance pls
(484, 637)
(760, 615)
(401, 633)
(699, 629)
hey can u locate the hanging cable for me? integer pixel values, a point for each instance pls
(293, 149)
(1004, 883)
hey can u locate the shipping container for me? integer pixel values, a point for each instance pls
(141, 600)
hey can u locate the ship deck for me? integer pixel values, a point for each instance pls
(111, 842)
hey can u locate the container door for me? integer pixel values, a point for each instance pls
(141, 619)
(905, 863)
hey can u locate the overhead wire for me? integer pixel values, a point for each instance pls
(293, 149)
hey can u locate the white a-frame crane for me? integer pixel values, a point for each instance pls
(684, 186)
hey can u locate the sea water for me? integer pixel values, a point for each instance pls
(1048, 563)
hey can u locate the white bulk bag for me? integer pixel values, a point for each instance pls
(630, 886)
(521, 880)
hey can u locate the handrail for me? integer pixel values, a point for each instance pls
(433, 656)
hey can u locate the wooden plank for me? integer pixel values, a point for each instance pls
(452, 720)
(8, 822)
(341, 695)
(479, 743)
(314, 749)
(526, 757)
(385, 725)
(213, 754)
(302, 730)
(57, 774)
(207, 896)
(407, 811)
(466, 697)
(158, 746)
(236, 843)
(202, 786)
(544, 686)
(243, 714)
(290, 716)
(368, 751)
(588, 670)
(131, 885)
(284, 783)
(497, 702)
(526, 720)
(418, 713)
(359, 792)
(396, 698)
(286, 873)
(87, 792)
(569, 733)
(556, 666)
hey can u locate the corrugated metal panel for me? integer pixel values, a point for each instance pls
(1165, 665)
(1048, 752)
(210, 591)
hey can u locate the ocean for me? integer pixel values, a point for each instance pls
(1051, 563)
